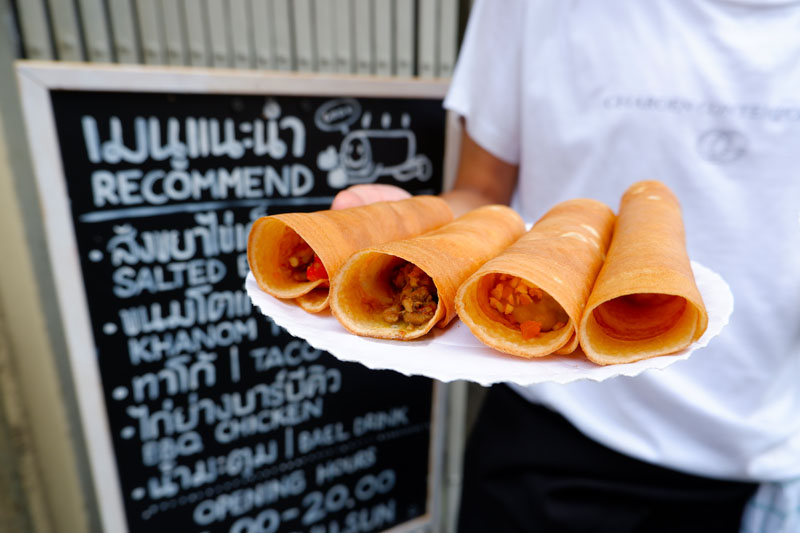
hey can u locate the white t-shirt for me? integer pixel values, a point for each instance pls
(588, 97)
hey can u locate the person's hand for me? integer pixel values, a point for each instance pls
(368, 193)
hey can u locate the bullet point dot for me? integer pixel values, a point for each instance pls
(109, 328)
(120, 393)
(95, 256)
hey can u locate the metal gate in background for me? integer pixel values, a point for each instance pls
(386, 38)
(378, 37)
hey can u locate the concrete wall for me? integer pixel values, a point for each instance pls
(43, 478)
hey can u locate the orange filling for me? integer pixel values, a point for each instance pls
(316, 270)
(523, 306)
(303, 264)
(530, 329)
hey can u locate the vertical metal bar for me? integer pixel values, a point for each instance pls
(174, 39)
(263, 34)
(456, 424)
(326, 47)
(448, 37)
(218, 33)
(95, 31)
(363, 21)
(149, 16)
(405, 18)
(241, 30)
(35, 35)
(426, 38)
(65, 27)
(343, 36)
(284, 55)
(197, 40)
(123, 33)
(304, 36)
(384, 37)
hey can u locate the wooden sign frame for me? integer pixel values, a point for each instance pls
(36, 80)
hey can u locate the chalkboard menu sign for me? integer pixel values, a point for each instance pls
(199, 413)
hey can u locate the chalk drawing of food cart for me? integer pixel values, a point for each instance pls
(367, 154)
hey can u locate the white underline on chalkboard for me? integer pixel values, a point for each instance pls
(149, 211)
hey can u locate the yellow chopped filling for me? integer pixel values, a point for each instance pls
(414, 296)
(521, 302)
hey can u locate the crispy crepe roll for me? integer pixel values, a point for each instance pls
(401, 289)
(645, 301)
(293, 255)
(528, 300)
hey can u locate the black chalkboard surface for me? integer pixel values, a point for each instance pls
(219, 420)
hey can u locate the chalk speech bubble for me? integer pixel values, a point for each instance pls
(337, 115)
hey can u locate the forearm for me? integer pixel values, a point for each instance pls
(482, 179)
(464, 200)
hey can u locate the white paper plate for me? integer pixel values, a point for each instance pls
(455, 354)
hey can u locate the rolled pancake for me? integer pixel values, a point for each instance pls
(645, 302)
(363, 289)
(559, 257)
(333, 236)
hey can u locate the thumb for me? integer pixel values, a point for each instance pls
(364, 194)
